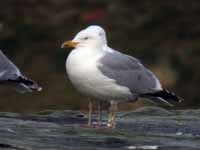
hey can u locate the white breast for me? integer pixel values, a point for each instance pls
(84, 74)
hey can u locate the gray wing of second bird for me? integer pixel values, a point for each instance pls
(9, 73)
(8, 70)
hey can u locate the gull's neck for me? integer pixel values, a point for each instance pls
(106, 48)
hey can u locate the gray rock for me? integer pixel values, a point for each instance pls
(145, 128)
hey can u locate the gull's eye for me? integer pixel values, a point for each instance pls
(86, 38)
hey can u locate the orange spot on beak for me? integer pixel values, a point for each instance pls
(69, 44)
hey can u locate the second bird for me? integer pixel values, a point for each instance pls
(10, 75)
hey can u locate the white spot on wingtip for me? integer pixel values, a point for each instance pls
(39, 89)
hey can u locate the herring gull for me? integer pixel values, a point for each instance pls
(105, 74)
(11, 75)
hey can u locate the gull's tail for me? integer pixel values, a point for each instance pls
(27, 84)
(164, 96)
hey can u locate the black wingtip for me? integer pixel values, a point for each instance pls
(166, 95)
(27, 83)
(170, 95)
(30, 84)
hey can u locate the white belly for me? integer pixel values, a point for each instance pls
(84, 74)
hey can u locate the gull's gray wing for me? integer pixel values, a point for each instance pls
(9, 73)
(128, 71)
(8, 70)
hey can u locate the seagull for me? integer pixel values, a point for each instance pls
(11, 75)
(102, 73)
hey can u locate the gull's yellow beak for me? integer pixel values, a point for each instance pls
(69, 44)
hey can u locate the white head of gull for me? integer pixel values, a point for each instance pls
(105, 74)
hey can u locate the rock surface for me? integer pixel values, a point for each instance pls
(146, 128)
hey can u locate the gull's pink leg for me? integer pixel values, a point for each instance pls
(90, 107)
(112, 114)
(90, 113)
(99, 124)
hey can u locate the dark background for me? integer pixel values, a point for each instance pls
(165, 35)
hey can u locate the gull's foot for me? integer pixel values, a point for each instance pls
(101, 126)
(104, 126)
(87, 126)
(110, 126)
